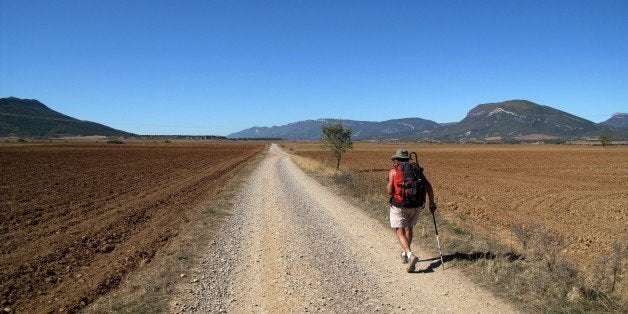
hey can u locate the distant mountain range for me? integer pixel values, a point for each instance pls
(514, 120)
(31, 118)
(311, 129)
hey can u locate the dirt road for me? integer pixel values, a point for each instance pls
(291, 245)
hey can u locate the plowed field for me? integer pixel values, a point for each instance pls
(575, 196)
(74, 219)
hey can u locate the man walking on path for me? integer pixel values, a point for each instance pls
(403, 219)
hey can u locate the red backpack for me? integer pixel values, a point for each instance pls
(408, 186)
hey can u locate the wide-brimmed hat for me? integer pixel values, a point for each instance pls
(400, 154)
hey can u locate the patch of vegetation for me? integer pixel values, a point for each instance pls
(605, 139)
(115, 142)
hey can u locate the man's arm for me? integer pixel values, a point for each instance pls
(430, 193)
(391, 179)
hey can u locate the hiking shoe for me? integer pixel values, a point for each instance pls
(404, 258)
(413, 260)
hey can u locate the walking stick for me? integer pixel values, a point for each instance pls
(416, 158)
(442, 262)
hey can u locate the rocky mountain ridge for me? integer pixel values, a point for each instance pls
(618, 120)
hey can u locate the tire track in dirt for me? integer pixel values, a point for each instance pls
(290, 245)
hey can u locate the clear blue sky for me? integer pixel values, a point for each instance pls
(217, 67)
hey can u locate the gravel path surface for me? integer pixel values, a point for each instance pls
(291, 245)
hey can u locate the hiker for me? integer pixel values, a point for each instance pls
(403, 218)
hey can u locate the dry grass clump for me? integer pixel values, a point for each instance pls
(566, 288)
(366, 189)
(543, 279)
(313, 166)
(533, 273)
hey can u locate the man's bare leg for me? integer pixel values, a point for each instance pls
(403, 239)
(408, 232)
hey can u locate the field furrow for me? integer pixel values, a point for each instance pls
(76, 218)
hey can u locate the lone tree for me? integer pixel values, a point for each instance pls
(337, 139)
(605, 139)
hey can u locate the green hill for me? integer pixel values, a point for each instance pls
(31, 118)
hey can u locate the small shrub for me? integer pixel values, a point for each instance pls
(605, 139)
(115, 142)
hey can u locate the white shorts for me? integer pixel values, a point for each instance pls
(403, 217)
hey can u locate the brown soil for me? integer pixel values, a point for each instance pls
(75, 219)
(575, 196)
